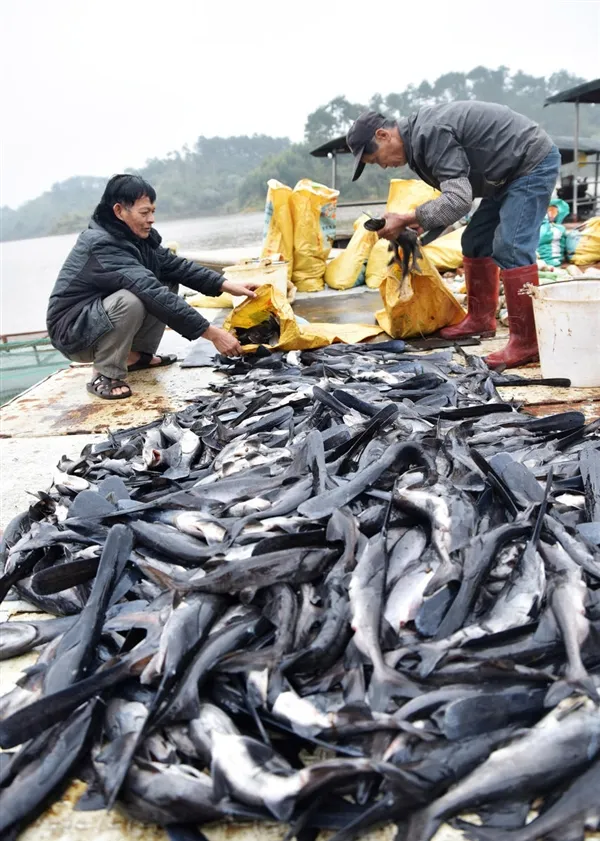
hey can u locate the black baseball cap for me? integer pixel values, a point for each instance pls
(360, 135)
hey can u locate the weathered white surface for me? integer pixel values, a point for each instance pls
(27, 466)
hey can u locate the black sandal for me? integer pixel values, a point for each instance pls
(146, 358)
(103, 387)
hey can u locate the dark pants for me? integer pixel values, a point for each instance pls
(507, 226)
(133, 329)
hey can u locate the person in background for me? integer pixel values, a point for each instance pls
(469, 150)
(552, 246)
(117, 290)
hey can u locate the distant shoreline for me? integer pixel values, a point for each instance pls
(76, 229)
(177, 218)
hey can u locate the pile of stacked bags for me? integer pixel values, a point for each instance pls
(366, 257)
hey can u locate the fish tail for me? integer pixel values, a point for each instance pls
(379, 812)
(575, 681)
(480, 833)
(421, 826)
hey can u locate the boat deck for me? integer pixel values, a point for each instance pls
(57, 416)
(60, 405)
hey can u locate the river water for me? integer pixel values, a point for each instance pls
(30, 266)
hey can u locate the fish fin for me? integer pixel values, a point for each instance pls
(113, 489)
(537, 529)
(90, 504)
(496, 481)
(64, 576)
(385, 684)
(563, 688)
(431, 654)
(557, 693)
(29, 672)
(480, 833)
(281, 807)
(421, 826)
(220, 783)
(119, 754)
(447, 572)
(92, 800)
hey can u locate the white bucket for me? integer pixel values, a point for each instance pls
(567, 320)
(263, 271)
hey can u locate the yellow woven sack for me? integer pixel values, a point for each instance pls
(419, 305)
(407, 194)
(377, 264)
(446, 252)
(313, 213)
(587, 250)
(293, 336)
(346, 270)
(278, 236)
(208, 302)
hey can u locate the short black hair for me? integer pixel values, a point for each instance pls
(126, 189)
(371, 146)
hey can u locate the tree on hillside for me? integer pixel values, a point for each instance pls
(331, 120)
(520, 91)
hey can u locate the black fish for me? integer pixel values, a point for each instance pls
(265, 333)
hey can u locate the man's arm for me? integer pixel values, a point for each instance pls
(121, 270)
(179, 270)
(450, 166)
(454, 203)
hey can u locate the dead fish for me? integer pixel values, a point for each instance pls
(561, 744)
(38, 779)
(265, 333)
(366, 593)
(256, 775)
(408, 242)
(576, 801)
(18, 638)
(169, 794)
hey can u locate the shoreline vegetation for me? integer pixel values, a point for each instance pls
(219, 176)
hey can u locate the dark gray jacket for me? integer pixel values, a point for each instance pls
(469, 149)
(103, 262)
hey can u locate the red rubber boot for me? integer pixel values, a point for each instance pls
(483, 289)
(522, 344)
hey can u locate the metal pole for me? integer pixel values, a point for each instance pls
(334, 170)
(596, 176)
(576, 161)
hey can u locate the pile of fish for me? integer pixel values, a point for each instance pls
(267, 332)
(342, 588)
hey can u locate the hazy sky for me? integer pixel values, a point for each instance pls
(89, 88)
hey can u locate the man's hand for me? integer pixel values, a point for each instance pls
(224, 342)
(235, 287)
(395, 223)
